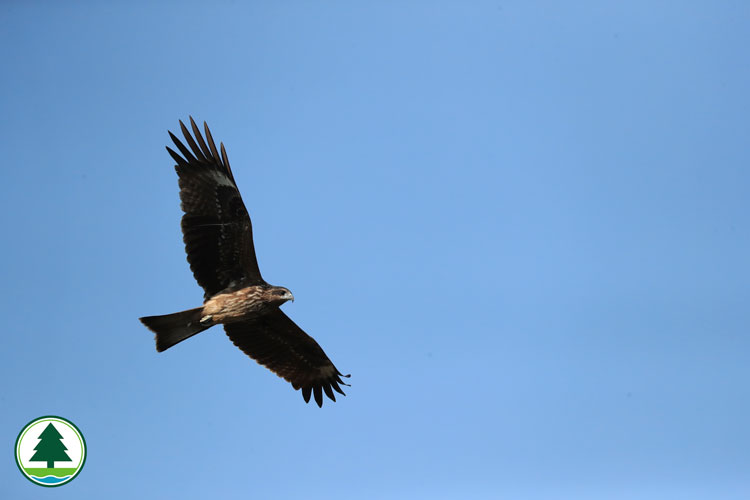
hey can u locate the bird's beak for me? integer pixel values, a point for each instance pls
(291, 297)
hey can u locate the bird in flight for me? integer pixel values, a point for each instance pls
(218, 239)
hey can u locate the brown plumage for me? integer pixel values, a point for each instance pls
(218, 238)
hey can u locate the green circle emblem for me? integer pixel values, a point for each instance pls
(50, 451)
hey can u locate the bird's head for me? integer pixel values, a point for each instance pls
(279, 295)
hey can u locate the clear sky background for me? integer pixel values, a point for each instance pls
(521, 226)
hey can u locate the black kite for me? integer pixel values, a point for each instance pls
(218, 240)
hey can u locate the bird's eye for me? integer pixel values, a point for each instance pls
(280, 292)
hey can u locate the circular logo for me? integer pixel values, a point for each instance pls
(50, 451)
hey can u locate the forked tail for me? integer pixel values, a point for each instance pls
(171, 329)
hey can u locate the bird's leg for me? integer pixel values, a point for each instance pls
(207, 320)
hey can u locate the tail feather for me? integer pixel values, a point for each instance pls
(171, 329)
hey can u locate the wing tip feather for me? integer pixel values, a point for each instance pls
(318, 392)
(201, 150)
(306, 391)
(212, 144)
(196, 150)
(176, 157)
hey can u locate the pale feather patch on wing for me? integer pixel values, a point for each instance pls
(222, 179)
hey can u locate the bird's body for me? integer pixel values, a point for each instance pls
(219, 243)
(243, 304)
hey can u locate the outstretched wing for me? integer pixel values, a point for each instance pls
(216, 227)
(276, 342)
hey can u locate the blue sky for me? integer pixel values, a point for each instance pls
(521, 226)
